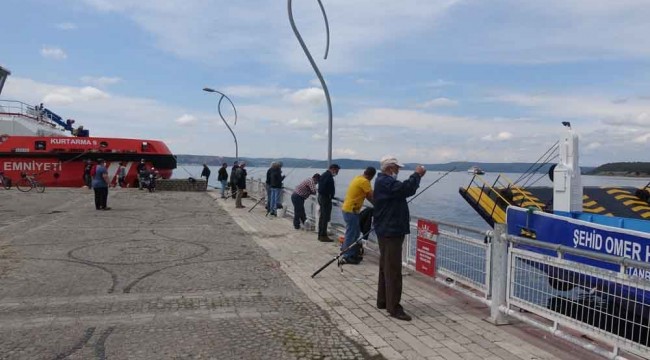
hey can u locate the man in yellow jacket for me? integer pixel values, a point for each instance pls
(358, 191)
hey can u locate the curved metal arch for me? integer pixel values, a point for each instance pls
(224, 119)
(316, 70)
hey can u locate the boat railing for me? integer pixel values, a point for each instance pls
(525, 199)
(21, 109)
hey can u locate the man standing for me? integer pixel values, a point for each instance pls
(121, 175)
(267, 185)
(298, 197)
(233, 185)
(326, 191)
(358, 191)
(240, 183)
(87, 173)
(391, 225)
(100, 186)
(205, 172)
(275, 182)
(222, 177)
(142, 173)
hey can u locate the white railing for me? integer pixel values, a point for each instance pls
(608, 306)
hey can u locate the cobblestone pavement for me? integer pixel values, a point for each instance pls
(160, 276)
(446, 324)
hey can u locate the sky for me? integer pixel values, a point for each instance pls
(427, 81)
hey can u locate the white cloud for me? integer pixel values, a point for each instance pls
(66, 26)
(502, 136)
(643, 139)
(438, 102)
(344, 152)
(186, 120)
(592, 107)
(55, 53)
(310, 96)
(100, 81)
(66, 95)
(360, 26)
(301, 124)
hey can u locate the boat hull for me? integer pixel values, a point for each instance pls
(60, 162)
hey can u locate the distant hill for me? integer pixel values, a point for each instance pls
(641, 169)
(362, 164)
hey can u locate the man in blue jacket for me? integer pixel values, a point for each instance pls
(392, 223)
(326, 191)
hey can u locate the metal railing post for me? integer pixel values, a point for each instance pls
(499, 270)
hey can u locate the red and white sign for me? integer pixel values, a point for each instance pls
(425, 256)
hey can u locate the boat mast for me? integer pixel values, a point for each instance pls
(567, 185)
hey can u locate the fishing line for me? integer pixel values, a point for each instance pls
(337, 257)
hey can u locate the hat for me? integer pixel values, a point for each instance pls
(389, 160)
(334, 166)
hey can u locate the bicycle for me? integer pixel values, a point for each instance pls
(5, 181)
(29, 182)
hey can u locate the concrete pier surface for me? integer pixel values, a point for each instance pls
(173, 275)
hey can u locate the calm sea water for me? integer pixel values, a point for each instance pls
(441, 201)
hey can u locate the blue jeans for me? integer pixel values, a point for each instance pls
(268, 198)
(299, 215)
(352, 233)
(275, 196)
(224, 185)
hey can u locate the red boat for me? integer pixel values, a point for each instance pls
(36, 141)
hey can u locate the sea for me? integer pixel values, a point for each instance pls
(441, 201)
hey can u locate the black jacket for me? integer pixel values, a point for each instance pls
(326, 185)
(222, 174)
(205, 172)
(233, 172)
(240, 178)
(391, 210)
(275, 178)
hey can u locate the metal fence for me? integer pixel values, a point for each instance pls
(566, 298)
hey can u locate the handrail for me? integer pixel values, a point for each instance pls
(519, 189)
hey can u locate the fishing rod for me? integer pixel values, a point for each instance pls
(356, 243)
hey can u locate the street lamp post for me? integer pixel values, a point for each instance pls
(316, 70)
(223, 119)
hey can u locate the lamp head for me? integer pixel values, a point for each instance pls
(567, 124)
(209, 89)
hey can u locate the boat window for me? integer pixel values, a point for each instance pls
(103, 144)
(39, 145)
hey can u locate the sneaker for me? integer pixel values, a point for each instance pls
(106, 208)
(381, 306)
(401, 315)
(325, 239)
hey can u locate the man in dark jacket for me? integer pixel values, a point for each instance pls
(275, 183)
(326, 191)
(222, 177)
(233, 185)
(392, 223)
(205, 172)
(142, 173)
(240, 183)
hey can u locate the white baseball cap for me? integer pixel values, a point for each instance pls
(389, 160)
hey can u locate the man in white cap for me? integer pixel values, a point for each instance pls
(392, 223)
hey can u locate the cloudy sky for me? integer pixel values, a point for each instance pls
(426, 80)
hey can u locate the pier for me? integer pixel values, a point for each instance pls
(186, 275)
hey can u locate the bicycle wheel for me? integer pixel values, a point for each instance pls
(24, 185)
(39, 187)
